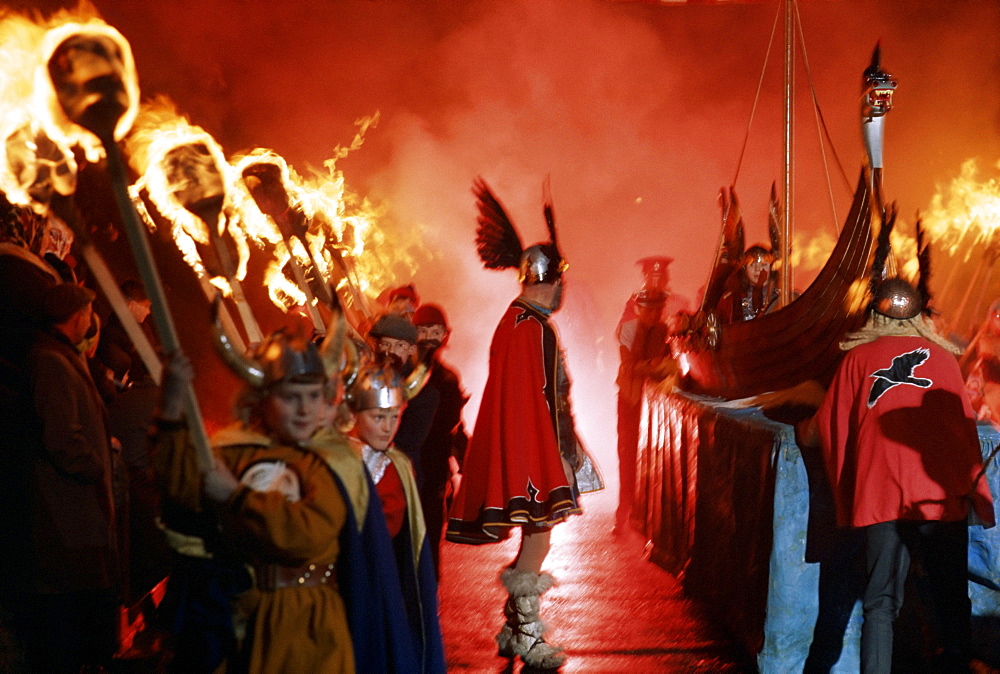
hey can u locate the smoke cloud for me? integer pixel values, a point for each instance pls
(636, 111)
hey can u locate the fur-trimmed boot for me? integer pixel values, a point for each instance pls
(523, 632)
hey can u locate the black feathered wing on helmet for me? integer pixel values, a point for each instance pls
(892, 295)
(550, 216)
(924, 264)
(500, 247)
(883, 249)
(497, 242)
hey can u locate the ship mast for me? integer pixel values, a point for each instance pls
(786, 200)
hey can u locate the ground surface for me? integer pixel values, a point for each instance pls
(612, 610)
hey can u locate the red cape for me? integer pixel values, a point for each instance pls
(513, 473)
(899, 436)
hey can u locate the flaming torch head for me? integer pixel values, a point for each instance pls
(88, 71)
(194, 177)
(36, 168)
(264, 182)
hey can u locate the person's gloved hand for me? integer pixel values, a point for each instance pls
(219, 483)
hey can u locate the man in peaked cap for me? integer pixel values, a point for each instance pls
(655, 278)
(644, 354)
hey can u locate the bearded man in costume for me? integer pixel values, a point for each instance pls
(902, 453)
(519, 470)
(446, 442)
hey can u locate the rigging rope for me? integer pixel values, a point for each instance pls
(756, 98)
(821, 127)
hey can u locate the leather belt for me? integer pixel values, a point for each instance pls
(277, 577)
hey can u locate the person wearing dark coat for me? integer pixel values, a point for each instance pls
(130, 414)
(68, 565)
(446, 437)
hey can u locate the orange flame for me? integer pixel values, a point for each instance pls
(809, 254)
(343, 235)
(261, 228)
(56, 123)
(159, 131)
(967, 213)
(26, 46)
(19, 125)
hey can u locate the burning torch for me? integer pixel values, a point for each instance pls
(293, 209)
(41, 174)
(37, 167)
(93, 87)
(267, 180)
(183, 172)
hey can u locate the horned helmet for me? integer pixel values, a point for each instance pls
(377, 386)
(284, 356)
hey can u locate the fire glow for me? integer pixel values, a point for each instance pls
(36, 157)
(323, 227)
(160, 134)
(965, 215)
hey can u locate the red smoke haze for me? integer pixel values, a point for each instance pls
(636, 110)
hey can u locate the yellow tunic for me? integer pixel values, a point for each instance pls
(294, 523)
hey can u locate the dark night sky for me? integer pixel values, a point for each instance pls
(636, 110)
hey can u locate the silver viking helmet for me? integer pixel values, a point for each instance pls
(499, 245)
(375, 388)
(381, 387)
(541, 263)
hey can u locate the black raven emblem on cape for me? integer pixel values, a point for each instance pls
(900, 372)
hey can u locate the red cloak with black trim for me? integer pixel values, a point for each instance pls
(513, 473)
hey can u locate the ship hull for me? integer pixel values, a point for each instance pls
(799, 341)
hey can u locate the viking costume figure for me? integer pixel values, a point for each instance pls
(902, 454)
(260, 532)
(644, 354)
(655, 279)
(519, 470)
(375, 402)
(751, 290)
